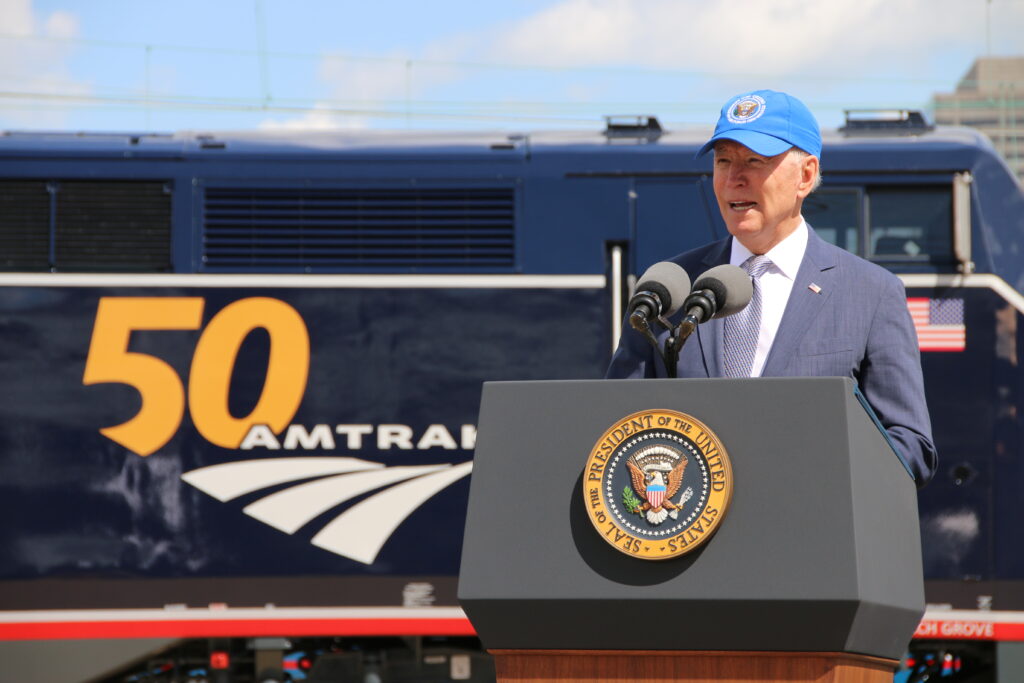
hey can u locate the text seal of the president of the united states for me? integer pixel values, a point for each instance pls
(657, 484)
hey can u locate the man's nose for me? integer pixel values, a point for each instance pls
(737, 175)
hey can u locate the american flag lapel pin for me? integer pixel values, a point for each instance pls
(814, 288)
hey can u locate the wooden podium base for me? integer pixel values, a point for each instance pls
(661, 666)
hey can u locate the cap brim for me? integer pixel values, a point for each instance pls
(765, 145)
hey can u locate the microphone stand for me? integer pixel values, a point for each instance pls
(673, 343)
(703, 304)
(671, 354)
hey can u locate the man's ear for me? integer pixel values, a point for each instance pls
(808, 175)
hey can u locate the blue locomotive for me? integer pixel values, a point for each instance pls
(241, 372)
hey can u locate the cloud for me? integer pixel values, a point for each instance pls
(353, 86)
(16, 16)
(677, 55)
(359, 89)
(61, 25)
(318, 118)
(682, 58)
(746, 36)
(33, 59)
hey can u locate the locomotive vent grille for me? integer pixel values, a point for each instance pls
(24, 225)
(113, 225)
(312, 230)
(74, 225)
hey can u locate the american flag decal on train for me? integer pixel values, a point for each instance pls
(939, 323)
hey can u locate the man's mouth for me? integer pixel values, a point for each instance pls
(742, 206)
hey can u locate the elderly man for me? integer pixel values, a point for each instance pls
(817, 310)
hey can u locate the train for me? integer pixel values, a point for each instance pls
(241, 375)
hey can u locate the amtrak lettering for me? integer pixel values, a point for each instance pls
(657, 484)
(354, 436)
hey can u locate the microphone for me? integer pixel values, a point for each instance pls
(660, 293)
(721, 291)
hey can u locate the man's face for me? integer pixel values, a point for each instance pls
(760, 197)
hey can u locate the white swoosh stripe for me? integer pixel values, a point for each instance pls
(290, 509)
(361, 531)
(232, 479)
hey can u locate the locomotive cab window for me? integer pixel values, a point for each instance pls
(897, 226)
(836, 216)
(910, 224)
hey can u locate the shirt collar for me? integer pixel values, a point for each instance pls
(786, 256)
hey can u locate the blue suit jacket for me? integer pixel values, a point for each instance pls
(857, 326)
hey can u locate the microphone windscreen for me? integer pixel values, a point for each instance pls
(673, 281)
(732, 288)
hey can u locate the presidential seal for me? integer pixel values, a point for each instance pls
(746, 109)
(657, 484)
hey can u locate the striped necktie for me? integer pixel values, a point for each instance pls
(743, 328)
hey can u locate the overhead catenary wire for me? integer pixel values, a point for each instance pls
(148, 99)
(404, 61)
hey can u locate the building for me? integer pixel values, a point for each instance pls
(990, 98)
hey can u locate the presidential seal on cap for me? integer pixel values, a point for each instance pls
(657, 484)
(746, 109)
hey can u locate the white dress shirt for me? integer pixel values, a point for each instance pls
(776, 285)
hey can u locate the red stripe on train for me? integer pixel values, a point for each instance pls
(935, 629)
(967, 629)
(204, 628)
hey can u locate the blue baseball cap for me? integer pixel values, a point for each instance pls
(767, 122)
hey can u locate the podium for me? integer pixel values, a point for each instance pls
(813, 573)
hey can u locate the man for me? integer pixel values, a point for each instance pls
(817, 310)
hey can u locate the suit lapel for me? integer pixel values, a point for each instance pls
(817, 268)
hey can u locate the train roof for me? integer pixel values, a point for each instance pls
(451, 142)
(640, 151)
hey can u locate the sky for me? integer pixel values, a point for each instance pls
(190, 65)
